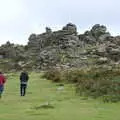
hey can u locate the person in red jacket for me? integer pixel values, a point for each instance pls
(2, 82)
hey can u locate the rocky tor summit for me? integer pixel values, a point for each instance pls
(63, 49)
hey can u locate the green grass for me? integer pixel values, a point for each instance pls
(47, 101)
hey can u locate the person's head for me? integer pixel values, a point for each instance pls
(23, 70)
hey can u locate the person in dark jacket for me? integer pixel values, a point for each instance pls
(2, 82)
(23, 82)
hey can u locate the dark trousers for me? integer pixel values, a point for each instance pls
(1, 90)
(23, 89)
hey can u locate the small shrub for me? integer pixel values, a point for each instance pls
(100, 83)
(111, 98)
(54, 75)
(72, 76)
(92, 82)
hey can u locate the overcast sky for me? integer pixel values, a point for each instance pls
(20, 18)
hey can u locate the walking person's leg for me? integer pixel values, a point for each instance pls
(1, 90)
(21, 89)
(24, 90)
(0, 95)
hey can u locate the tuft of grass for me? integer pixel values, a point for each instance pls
(46, 105)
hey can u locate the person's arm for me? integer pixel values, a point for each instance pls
(27, 77)
(20, 76)
(4, 79)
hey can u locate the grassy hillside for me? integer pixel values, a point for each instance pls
(49, 101)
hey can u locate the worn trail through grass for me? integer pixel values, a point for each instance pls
(48, 101)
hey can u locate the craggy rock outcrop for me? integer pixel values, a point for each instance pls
(63, 38)
(65, 48)
(97, 34)
(50, 47)
(12, 51)
(11, 55)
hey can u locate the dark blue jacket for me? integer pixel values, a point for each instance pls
(24, 78)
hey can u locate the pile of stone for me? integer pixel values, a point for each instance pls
(50, 46)
(65, 48)
(98, 34)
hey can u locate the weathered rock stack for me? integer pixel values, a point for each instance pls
(65, 48)
(97, 34)
(50, 47)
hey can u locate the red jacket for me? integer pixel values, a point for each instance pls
(2, 79)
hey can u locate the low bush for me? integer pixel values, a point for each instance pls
(93, 82)
(53, 74)
(100, 83)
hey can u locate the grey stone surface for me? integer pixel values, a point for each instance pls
(64, 48)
